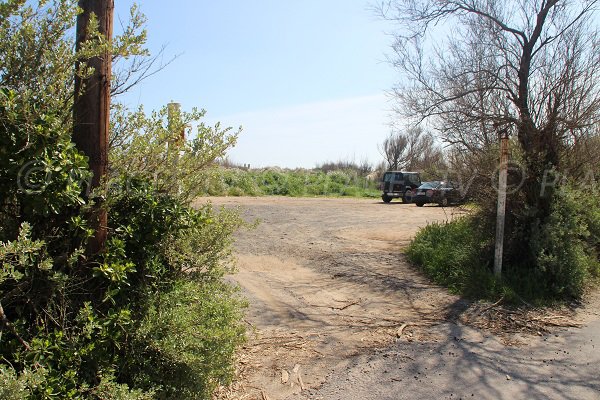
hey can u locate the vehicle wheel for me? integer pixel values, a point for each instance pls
(386, 198)
(420, 204)
(444, 202)
(407, 198)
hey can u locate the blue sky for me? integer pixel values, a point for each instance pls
(305, 78)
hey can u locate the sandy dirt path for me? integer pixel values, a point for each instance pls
(327, 281)
(334, 306)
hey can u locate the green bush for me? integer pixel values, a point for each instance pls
(341, 178)
(459, 254)
(108, 389)
(74, 317)
(292, 183)
(316, 184)
(74, 323)
(15, 386)
(158, 284)
(42, 175)
(453, 254)
(181, 255)
(240, 183)
(190, 352)
(565, 250)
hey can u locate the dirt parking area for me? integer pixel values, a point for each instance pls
(337, 312)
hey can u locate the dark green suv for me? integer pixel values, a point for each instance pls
(399, 184)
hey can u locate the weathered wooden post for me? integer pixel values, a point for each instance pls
(91, 112)
(501, 212)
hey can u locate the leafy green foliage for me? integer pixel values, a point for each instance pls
(40, 170)
(165, 239)
(294, 183)
(37, 54)
(80, 326)
(157, 287)
(21, 386)
(108, 389)
(190, 351)
(190, 320)
(565, 249)
(454, 255)
(36, 48)
(459, 254)
(153, 147)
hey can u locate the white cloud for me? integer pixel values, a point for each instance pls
(308, 134)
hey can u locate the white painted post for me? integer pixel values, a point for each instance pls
(501, 213)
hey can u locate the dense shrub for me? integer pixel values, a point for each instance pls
(294, 183)
(190, 352)
(456, 255)
(15, 386)
(41, 172)
(459, 254)
(189, 322)
(115, 323)
(565, 250)
(239, 183)
(76, 325)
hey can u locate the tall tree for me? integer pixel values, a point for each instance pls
(476, 67)
(92, 99)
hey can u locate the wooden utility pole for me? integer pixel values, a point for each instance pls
(92, 106)
(501, 213)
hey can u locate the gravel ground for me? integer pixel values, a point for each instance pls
(467, 365)
(337, 313)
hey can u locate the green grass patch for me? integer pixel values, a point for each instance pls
(452, 254)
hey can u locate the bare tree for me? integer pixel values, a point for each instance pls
(430, 158)
(131, 61)
(527, 66)
(393, 149)
(410, 149)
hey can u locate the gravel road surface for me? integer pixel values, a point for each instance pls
(337, 313)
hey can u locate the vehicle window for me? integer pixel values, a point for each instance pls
(429, 185)
(387, 177)
(414, 178)
(398, 177)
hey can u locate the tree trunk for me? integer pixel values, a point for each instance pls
(538, 144)
(92, 109)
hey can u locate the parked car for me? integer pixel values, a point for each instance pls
(399, 184)
(442, 193)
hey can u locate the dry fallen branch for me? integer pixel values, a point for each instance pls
(337, 308)
(531, 320)
(401, 329)
(492, 306)
(347, 305)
